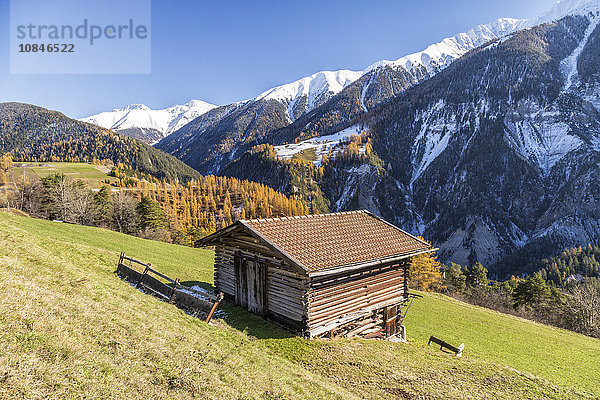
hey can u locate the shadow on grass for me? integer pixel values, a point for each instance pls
(243, 320)
(252, 324)
(276, 339)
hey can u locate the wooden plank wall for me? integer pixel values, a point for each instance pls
(286, 294)
(286, 288)
(333, 297)
(224, 270)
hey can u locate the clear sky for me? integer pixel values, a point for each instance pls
(224, 51)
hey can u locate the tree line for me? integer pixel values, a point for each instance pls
(31, 133)
(172, 212)
(573, 263)
(5, 164)
(212, 202)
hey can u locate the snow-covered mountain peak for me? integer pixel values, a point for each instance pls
(439, 55)
(198, 104)
(310, 91)
(317, 83)
(147, 124)
(388, 78)
(567, 7)
(132, 107)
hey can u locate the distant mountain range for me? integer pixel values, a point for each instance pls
(141, 122)
(304, 95)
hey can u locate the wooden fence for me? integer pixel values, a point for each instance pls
(171, 290)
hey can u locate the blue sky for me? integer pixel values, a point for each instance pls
(224, 51)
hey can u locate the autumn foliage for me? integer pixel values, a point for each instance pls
(425, 272)
(212, 202)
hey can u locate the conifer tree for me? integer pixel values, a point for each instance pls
(150, 213)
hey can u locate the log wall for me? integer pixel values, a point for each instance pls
(333, 300)
(285, 286)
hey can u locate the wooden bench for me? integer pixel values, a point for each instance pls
(443, 345)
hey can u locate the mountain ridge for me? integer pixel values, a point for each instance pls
(144, 123)
(305, 94)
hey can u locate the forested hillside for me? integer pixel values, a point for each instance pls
(31, 133)
(501, 156)
(221, 135)
(203, 206)
(572, 264)
(150, 208)
(293, 177)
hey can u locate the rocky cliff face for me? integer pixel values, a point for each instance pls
(499, 152)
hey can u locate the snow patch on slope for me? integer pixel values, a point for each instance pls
(569, 64)
(539, 136)
(596, 143)
(363, 93)
(321, 145)
(483, 241)
(433, 138)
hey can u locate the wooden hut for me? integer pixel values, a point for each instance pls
(323, 275)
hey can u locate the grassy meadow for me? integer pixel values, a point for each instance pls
(92, 175)
(307, 155)
(72, 329)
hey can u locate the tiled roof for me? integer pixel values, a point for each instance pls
(326, 241)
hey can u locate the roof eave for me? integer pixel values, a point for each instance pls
(366, 264)
(397, 228)
(210, 240)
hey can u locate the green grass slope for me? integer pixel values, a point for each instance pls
(563, 357)
(92, 175)
(72, 329)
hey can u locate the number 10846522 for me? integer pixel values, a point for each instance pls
(46, 48)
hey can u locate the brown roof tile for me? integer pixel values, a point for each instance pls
(330, 240)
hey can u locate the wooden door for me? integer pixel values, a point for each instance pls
(250, 285)
(241, 287)
(390, 320)
(257, 278)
